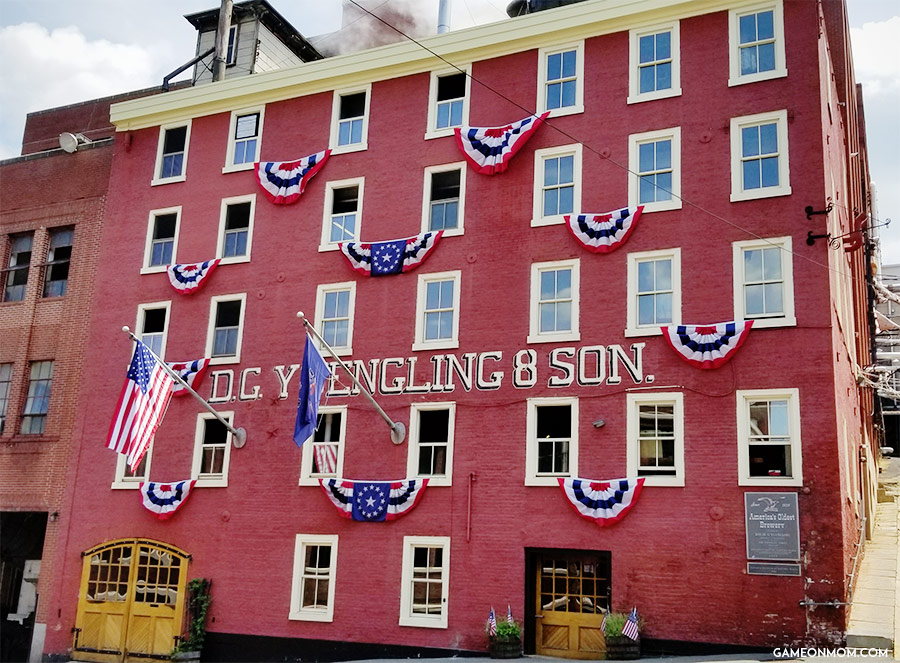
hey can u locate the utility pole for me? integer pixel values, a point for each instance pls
(222, 40)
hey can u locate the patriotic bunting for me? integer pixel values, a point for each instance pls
(604, 502)
(191, 372)
(490, 149)
(188, 278)
(707, 346)
(164, 499)
(283, 182)
(390, 257)
(374, 501)
(603, 233)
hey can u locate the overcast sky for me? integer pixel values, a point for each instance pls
(60, 52)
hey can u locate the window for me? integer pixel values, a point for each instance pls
(212, 451)
(335, 306)
(437, 311)
(431, 442)
(323, 454)
(236, 229)
(654, 291)
(231, 54)
(557, 184)
(171, 156)
(5, 382)
(551, 448)
(554, 301)
(35, 413)
(764, 282)
(756, 51)
(655, 71)
(162, 239)
(125, 478)
(655, 163)
(759, 156)
(350, 120)
(226, 325)
(444, 201)
(312, 590)
(768, 428)
(560, 80)
(343, 212)
(655, 423)
(425, 581)
(448, 102)
(56, 271)
(16, 277)
(244, 137)
(152, 325)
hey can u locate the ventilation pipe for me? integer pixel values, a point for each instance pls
(222, 40)
(443, 16)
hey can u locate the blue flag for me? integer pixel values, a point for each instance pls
(370, 500)
(387, 257)
(313, 374)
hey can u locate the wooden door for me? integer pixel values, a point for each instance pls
(572, 594)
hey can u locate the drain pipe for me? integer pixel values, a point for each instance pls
(443, 17)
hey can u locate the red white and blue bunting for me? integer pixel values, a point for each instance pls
(164, 499)
(374, 501)
(282, 182)
(191, 372)
(603, 233)
(489, 149)
(188, 278)
(390, 257)
(707, 346)
(604, 502)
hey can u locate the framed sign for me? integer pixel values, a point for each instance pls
(773, 526)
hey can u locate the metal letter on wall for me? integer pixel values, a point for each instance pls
(772, 525)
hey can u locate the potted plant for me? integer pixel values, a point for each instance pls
(508, 641)
(618, 645)
(188, 648)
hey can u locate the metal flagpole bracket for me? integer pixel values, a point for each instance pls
(238, 435)
(398, 430)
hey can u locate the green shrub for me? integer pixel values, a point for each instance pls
(507, 630)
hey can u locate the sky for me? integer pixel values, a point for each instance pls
(64, 51)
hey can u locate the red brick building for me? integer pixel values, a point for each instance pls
(514, 356)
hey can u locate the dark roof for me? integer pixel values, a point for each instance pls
(268, 16)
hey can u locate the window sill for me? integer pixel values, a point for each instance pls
(437, 482)
(240, 168)
(664, 482)
(435, 345)
(158, 269)
(220, 361)
(340, 352)
(211, 483)
(561, 112)
(557, 220)
(410, 621)
(770, 481)
(649, 208)
(452, 232)
(313, 481)
(556, 338)
(647, 331)
(311, 617)
(20, 438)
(168, 180)
(756, 194)
(440, 133)
(345, 149)
(654, 96)
(122, 485)
(772, 323)
(548, 481)
(756, 78)
(234, 260)
(332, 246)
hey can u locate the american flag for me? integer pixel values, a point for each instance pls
(492, 623)
(509, 619)
(630, 629)
(141, 406)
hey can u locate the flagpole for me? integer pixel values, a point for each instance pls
(240, 434)
(398, 430)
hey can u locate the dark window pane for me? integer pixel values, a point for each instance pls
(164, 226)
(434, 425)
(154, 321)
(174, 140)
(451, 87)
(353, 105)
(554, 421)
(445, 185)
(214, 432)
(345, 200)
(228, 314)
(237, 216)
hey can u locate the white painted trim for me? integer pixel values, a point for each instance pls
(534, 320)
(229, 167)
(306, 460)
(426, 196)
(407, 618)
(220, 242)
(325, 244)
(412, 457)
(430, 130)
(543, 53)
(744, 396)
(784, 172)
(531, 444)
(537, 213)
(213, 303)
(787, 275)
(321, 290)
(300, 543)
(121, 482)
(734, 56)
(424, 279)
(634, 82)
(335, 120)
(157, 167)
(632, 328)
(139, 322)
(632, 402)
(634, 142)
(148, 240)
(218, 481)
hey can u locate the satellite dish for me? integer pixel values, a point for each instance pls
(70, 142)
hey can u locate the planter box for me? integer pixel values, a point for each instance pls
(186, 656)
(506, 648)
(622, 648)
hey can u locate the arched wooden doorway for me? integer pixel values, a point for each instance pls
(131, 602)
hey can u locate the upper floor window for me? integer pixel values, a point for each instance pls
(756, 36)
(655, 158)
(236, 229)
(444, 198)
(557, 184)
(448, 104)
(759, 156)
(16, 276)
(768, 427)
(431, 442)
(323, 455)
(226, 325)
(125, 478)
(312, 589)
(162, 239)
(231, 53)
(335, 306)
(554, 301)
(5, 383)
(343, 212)
(437, 311)
(655, 423)
(561, 80)
(654, 291)
(655, 70)
(764, 282)
(59, 254)
(425, 581)
(212, 450)
(551, 448)
(244, 137)
(172, 153)
(350, 120)
(152, 326)
(38, 401)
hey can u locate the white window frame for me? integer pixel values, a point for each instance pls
(787, 274)
(223, 212)
(306, 460)
(537, 214)
(139, 326)
(210, 330)
(407, 618)
(412, 458)
(633, 328)
(632, 402)
(534, 318)
(445, 343)
(300, 543)
(531, 443)
(738, 193)
(426, 196)
(211, 482)
(541, 105)
(122, 482)
(325, 243)
(229, 166)
(335, 120)
(431, 131)
(634, 142)
(157, 167)
(734, 46)
(635, 95)
(744, 396)
(148, 240)
(321, 290)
